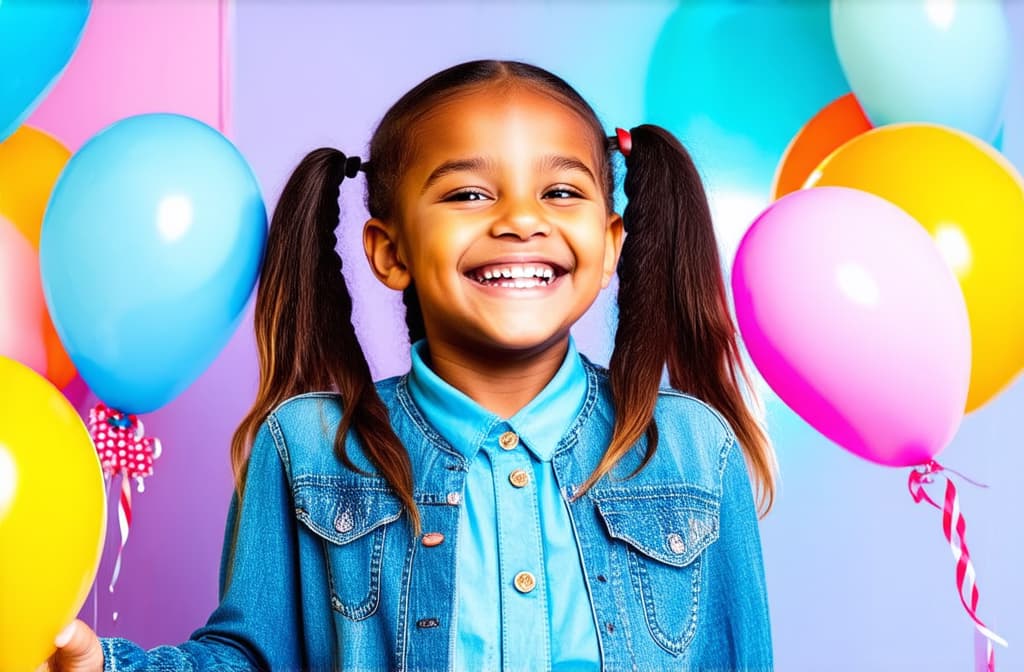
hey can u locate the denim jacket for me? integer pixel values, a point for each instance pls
(326, 574)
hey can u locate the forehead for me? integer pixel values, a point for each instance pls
(503, 123)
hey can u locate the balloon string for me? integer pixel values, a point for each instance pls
(96, 581)
(954, 526)
(984, 656)
(972, 482)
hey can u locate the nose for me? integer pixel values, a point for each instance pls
(521, 218)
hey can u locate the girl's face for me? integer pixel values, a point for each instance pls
(501, 223)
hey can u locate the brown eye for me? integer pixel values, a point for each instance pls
(466, 195)
(565, 193)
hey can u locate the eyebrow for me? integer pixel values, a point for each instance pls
(559, 162)
(479, 163)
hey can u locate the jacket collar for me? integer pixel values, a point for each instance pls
(466, 425)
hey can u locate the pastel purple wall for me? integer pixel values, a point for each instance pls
(859, 577)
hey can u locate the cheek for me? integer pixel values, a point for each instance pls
(435, 252)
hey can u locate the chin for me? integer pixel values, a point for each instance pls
(528, 341)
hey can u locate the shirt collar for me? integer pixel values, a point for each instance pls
(466, 425)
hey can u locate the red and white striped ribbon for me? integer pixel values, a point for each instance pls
(124, 521)
(955, 527)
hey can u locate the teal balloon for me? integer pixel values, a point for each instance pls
(918, 61)
(37, 39)
(150, 247)
(735, 81)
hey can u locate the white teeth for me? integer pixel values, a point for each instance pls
(520, 277)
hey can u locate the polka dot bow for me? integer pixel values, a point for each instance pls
(121, 443)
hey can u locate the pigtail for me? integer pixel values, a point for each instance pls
(303, 321)
(673, 309)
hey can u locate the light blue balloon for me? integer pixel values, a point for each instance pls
(917, 61)
(735, 81)
(150, 247)
(37, 39)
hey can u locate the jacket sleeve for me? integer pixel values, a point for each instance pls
(257, 624)
(738, 630)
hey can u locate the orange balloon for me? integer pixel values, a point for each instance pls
(60, 370)
(839, 121)
(30, 163)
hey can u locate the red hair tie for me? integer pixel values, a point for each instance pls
(625, 141)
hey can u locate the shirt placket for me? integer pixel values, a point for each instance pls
(524, 609)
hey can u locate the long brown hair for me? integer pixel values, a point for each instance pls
(676, 317)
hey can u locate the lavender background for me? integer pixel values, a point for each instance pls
(859, 577)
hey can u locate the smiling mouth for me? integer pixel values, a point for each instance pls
(516, 276)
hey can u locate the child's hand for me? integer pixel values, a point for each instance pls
(78, 650)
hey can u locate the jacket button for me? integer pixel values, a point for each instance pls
(432, 539)
(454, 498)
(508, 440)
(675, 542)
(519, 478)
(344, 522)
(525, 582)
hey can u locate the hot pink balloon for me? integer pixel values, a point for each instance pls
(853, 318)
(22, 306)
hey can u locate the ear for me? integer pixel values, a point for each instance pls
(612, 247)
(380, 242)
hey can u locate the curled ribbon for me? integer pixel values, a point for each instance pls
(954, 526)
(125, 450)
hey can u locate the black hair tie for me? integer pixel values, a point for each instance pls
(352, 164)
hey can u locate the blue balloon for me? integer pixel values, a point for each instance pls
(735, 81)
(944, 63)
(150, 247)
(37, 39)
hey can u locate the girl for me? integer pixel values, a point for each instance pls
(506, 504)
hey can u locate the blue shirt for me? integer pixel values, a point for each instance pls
(514, 520)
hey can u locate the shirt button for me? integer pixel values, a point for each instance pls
(519, 478)
(525, 582)
(508, 440)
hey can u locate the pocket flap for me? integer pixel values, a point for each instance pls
(672, 525)
(342, 512)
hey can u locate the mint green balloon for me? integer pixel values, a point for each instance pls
(735, 81)
(918, 61)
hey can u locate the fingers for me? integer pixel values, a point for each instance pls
(64, 636)
(78, 650)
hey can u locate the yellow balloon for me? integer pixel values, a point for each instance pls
(52, 515)
(971, 201)
(30, 163)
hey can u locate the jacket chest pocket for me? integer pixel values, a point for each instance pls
(352, 521)
(666, 531)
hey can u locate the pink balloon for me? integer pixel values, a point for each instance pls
(853, 318)
(22, 306)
